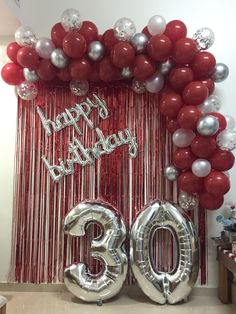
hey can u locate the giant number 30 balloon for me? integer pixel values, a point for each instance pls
(108, 248)
(159, 286)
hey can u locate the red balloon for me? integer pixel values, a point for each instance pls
(74, 45)
(221, 119)
(94, 75)
(12, 50)
(57, 34)
(210, 201)
(183, 158)
(217, 183)
(89, 31)
(143, 67)
(203, 64)
(188, 117)
(175, 30)
(184, 51)
(180, 77)
(64, 74)
(170, 105)
(159, 47)
(195, 93)
(46, 70)
(190, 183)
(80, 69)
(203, 146)
(107, 71)
(172, 125)
(27, 57)
(146, 32)
(122, 54)
(109, 39)
(222, 160)
(209, 83)
(12, 74)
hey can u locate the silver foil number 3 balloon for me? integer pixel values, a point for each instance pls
(108, 248)
(163, 287)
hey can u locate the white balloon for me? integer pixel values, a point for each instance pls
(183, 137)
(207, 106)
(155, 83)
(44, 47)
(226, 139)
(201, 168)
(230, 122)
(156, 25)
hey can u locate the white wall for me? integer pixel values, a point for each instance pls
(41, 15)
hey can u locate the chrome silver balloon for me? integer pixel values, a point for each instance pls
(171, 173)
(207, 125)
(96, 50)
(204, 37)
(59, 59)
(162, 287)
(127, 73)
(186, 201)
(220, 72)
(108, 248)
(139, 42)
(30, 75)
(165, 67)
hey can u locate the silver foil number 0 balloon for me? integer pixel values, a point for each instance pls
(108, 248)
(163, 287)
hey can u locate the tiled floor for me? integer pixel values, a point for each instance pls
(128, 303)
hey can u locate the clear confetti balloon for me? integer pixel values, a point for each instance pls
(187, 201)
(59, 59)
(124, 29)
(27, 90)
(204, 38)
(25, 36)
(138, 86)
(71, 20)
(30, 75)
(156, 25)
(207, 106)
(215, 100)
(230, 122)
(44, 47)
(220, 72)
(79, 88)
(226, 139)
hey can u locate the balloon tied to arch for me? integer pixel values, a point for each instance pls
(159, 59)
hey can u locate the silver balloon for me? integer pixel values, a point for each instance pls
(108, 248)
(124, 29)
(139, 42)
(96, 50)
(59, 59)
(127, 73)
(71, 20)
(155, 83)
(220, 72)
(204, 38)
(165, 67)
(25, 36)
(44, 47)
(186, 201)
(27, 90)
(79, 88)
(30, 75)
(138, 86)
(207, 125)
(171, 173)
(162, 287)
(226, 139)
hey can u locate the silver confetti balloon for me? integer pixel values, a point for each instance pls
(124, 29)
(108, 248)
(226, 139)
(30, 75)
(186, 201)
(204, 38)
(171, 173)
(25, 36)
(220, 72)
(71, 20)
(59, 59)
(207, 125)
(162, 287)
(96, 50)
(127, 73)
(79, 88)
(139, 42)
(27, 90)
(165, 67)
(138, 86)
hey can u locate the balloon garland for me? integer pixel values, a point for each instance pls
(160, 59)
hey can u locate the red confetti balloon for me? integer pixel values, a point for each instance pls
(89, 31)
(109, 39)
(222, 160)
(210, 201)
(179, 77)
(12, 74)
(184, 51)
(203, 64)
(46, 71)
(122, 54)
(188, 117)
(74, 45)
(172, 125)
(203, 146)
(12, 50)
(146, 32)
(159, 47)
(209, 83)
(170, 105)
(190, 183)
(27, 57)
(107, 71)
(175, 30)
(217, 183)
(64, 74)
(80, 69)
(221, 119)
(143, 67)
(57, 34)
(195, 93)
(183, 158)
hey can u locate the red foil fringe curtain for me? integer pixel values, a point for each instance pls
(40, 250)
